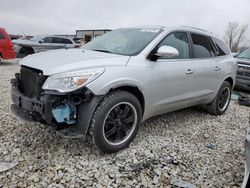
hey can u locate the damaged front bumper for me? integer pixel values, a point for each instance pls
(32, 109)
(70, 113)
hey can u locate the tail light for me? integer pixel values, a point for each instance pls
(10, 44)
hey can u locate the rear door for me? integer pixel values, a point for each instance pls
(63, 42)
(207, 67)
(59, 42)
(68, 43)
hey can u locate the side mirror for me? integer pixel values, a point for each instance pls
(167, 51)
(40, 41)
(235, 54)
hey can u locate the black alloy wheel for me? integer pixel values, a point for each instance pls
(119, 123)
(115, 122)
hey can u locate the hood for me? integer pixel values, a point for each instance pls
(65, 60)
(243, 60)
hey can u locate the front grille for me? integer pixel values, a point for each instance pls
(243, 70)
(30, 82)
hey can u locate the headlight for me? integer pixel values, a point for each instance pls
(70, 81)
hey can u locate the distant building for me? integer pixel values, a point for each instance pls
(88, 35)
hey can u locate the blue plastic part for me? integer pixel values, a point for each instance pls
(63, 114)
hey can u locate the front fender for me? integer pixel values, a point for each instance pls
(122, 76)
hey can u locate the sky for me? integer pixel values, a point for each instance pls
(34, 17)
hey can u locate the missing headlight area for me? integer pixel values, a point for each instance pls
(65, 113)
(30, 82)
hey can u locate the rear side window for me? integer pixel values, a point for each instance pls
(202, 47)
(178, 40)
(1, 35)
(58, 40)
(67, 41)
(48, 40)
(221, 47)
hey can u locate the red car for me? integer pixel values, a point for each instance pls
(6, 46)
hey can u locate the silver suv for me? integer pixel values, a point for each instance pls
(24, 47)
(106, 89)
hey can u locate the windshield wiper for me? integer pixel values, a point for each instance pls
(106, 51)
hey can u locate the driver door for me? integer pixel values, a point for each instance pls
(173, 79)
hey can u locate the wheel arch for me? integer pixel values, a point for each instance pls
(230, 80)
(133, 90)
(87, 109)
(25, 48)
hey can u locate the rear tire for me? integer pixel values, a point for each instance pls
(221, 102)
(24, 51)
(115, 122)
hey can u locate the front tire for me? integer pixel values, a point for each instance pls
(221, 102)
(115, 122)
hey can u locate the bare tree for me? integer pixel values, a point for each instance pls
(235, 35)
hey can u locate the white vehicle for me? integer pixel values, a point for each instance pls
(40, 43)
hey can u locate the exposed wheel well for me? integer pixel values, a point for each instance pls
(26, 50)
(230, 80)
(135, 91)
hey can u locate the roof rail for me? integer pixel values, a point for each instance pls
(200, 29)
(195, 28)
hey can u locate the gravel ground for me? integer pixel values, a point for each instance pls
(190, 145)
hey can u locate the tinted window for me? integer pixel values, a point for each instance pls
(178, 40)
(48, 40)
(67, 41)
(1, 36)
(202, 46)
(59, 40)
(221, 47)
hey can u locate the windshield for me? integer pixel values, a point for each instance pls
(245, 54)
(123, 41)
(36, 38)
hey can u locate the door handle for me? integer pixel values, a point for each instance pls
(217, 68)
(189, 71)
